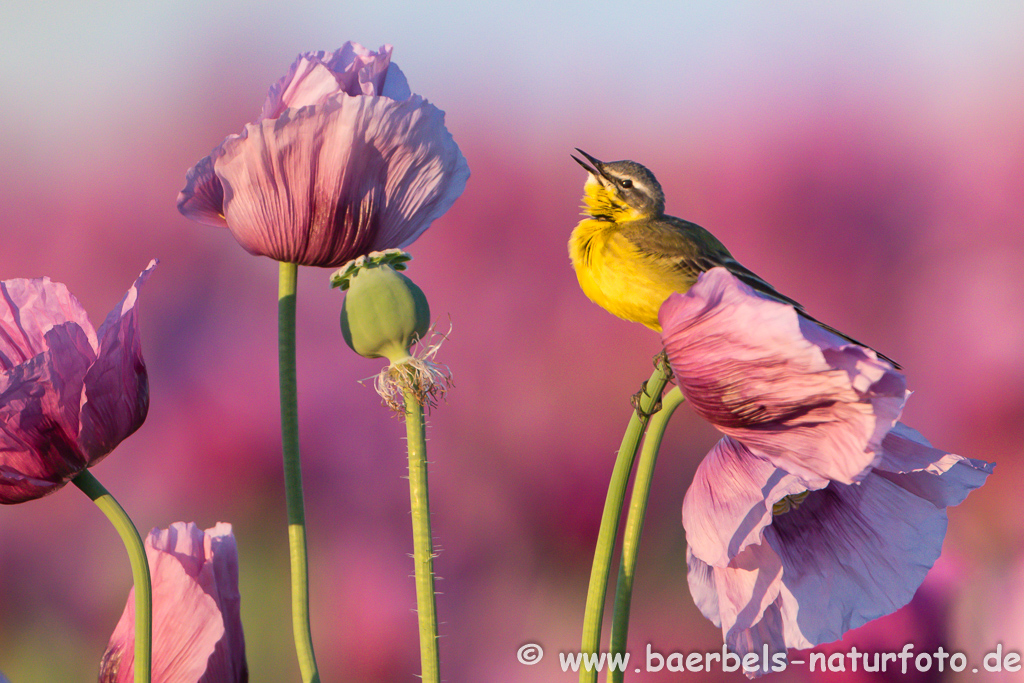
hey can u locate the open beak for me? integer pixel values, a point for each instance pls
(595, 170)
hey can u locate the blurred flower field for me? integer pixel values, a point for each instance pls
(866, 160)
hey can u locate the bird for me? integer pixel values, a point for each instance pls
(629, 256)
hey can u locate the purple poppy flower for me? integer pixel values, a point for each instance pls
(197, 624)
(780, 562)
(343, 160)
(809, 401)
(818, 511)
(68, 394)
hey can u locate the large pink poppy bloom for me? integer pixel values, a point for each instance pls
(68, 393)
(343, 160)
(818, 511)
(197, 623)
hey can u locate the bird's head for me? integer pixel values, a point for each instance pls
(620, 190)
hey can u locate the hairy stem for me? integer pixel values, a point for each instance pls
(423, 543)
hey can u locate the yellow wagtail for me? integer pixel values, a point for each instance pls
(629, 256)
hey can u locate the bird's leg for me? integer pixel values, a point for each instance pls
(659, 360)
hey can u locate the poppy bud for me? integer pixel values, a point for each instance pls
(384, 311)
(384, 314)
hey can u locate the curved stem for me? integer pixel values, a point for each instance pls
(635, 525)
(91, 487)
(287, 278)
(601, 568)
(423, 542)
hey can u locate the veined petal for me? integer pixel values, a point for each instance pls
(197, 633)
(361, 71)
(396, 86)
(743, 600)
(945, 479)
(729, 502)
(307, 83)
(769, 630)
(851, 554)
(38, 449)
(228, 660)
(322, 185)
(116, 396)
(778, 383)
(700, 577)
(372, 69)
(747, 587)
(39, 414)
(289, 193)
(18, 487)
(351, 69)
(426, 172)
(202, 200)
(28, 310)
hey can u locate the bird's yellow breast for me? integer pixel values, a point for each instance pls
(615, 275)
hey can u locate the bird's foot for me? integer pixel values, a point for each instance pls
(638, 397)
(660, 360)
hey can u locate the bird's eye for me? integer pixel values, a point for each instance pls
(626, 183)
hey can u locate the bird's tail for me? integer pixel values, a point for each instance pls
(847, 337)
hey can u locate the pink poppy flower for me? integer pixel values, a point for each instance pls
(343, 160)
(197, 624)
(807, 400)
(779, 562)
(818, 511)
(68, 394)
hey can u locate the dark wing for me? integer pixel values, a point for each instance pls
(694, 250)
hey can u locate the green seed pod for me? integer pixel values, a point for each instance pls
(384, 311)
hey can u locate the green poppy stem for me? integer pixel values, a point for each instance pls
(91, 487)
(635, 526)
(423, 540)
(288, 276)
(599, 573)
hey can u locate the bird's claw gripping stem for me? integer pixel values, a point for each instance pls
(659, 360)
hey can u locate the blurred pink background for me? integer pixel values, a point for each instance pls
(867, 159)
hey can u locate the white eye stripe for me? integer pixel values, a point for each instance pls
(631, 183)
